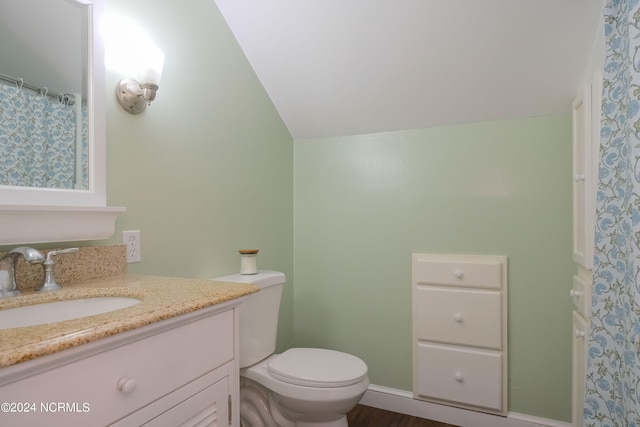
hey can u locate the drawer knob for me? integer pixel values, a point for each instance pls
(579, 177)
(458, 377)
(458, 317)
(458, 274)
(579, 333)
(126, 385)
(574, 293)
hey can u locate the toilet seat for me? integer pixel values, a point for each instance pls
(315, 367)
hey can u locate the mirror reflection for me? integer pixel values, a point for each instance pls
(43, 94)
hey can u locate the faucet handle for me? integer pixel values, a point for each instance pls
(49, 283)
(51, 254)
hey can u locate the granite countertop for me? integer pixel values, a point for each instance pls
(162, 298)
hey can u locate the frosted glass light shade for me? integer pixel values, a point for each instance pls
(152, 66)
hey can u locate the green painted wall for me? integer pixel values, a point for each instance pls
(207, 169)
(363, 204)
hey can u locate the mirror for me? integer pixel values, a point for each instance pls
(57, 44)
(44, 93)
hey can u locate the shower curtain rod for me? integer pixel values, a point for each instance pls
(69, 99)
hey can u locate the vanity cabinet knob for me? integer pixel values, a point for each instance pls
(126, 385)
(458, 317)
(458, 274)
(579, 178)
(458, 377)
(579, 333)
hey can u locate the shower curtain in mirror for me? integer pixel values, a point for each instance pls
(612, 391)
(37, 140)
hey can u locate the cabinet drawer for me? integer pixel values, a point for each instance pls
(154, 366)
(467, 271)
(468, 317)
(462, 375)
(581, 295)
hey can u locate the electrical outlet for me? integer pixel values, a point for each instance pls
(132, 240)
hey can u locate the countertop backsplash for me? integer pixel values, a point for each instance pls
(91, 262)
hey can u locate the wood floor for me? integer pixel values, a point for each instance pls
(366, 416)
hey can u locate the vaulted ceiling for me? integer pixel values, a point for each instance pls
(346, 67)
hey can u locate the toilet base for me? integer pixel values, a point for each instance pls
(258, 408)
(342, 422)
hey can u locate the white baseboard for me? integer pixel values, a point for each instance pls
(403, 402)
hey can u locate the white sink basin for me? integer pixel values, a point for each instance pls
(58, 311)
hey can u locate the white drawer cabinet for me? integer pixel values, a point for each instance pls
(176, 376)
(460, 330)
(586, 149)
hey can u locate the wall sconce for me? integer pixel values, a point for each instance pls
(134, 96)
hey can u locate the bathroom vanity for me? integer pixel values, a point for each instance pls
(169, 360)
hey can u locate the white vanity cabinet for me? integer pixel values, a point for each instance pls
(178, 372)
(460, 330)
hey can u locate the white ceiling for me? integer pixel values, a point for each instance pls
(347, 67)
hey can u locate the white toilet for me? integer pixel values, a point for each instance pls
(302, 387)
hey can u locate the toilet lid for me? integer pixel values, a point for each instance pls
(316, 367)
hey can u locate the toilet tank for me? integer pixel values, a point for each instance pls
(258, 314)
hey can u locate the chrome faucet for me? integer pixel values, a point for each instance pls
(8, 268)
